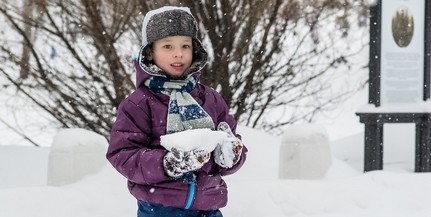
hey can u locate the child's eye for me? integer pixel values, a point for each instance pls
(187, 46)
(167, 46)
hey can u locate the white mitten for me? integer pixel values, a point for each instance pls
(177, 162)
(227, 153)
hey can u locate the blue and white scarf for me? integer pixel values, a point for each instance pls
(184, 112)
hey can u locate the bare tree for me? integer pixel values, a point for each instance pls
(264, 55)
(86, 77)
(270, 54)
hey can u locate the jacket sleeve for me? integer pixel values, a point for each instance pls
(129, 146)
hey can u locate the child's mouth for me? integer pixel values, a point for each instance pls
(177, 65)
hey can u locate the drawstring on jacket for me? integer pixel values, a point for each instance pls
(190, 178)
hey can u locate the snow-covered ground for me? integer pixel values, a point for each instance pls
(255, 191)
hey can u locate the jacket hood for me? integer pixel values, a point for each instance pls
(170, 21)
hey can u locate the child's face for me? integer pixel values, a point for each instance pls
(173, 54)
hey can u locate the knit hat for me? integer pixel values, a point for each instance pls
(170, 21)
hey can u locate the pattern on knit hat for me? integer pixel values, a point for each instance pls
(170, 23)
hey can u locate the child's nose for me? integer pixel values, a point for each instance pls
(178, 53)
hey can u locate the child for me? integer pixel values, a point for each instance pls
(169, 100)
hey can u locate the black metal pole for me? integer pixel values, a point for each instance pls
(373, 153)
(427, 51)
(374, 52)
(423, 144)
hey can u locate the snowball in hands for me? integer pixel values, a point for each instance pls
(227, 148)
(188, 140)
(189, 150)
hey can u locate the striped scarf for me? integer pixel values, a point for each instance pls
(184, 112)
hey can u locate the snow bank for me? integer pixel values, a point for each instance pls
(23, 166)
(254, 190)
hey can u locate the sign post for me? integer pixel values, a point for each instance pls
(399, 77)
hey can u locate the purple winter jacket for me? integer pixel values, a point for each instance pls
(135, 150)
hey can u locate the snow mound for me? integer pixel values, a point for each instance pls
(75, 153)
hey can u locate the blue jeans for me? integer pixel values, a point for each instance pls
(156, 210)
